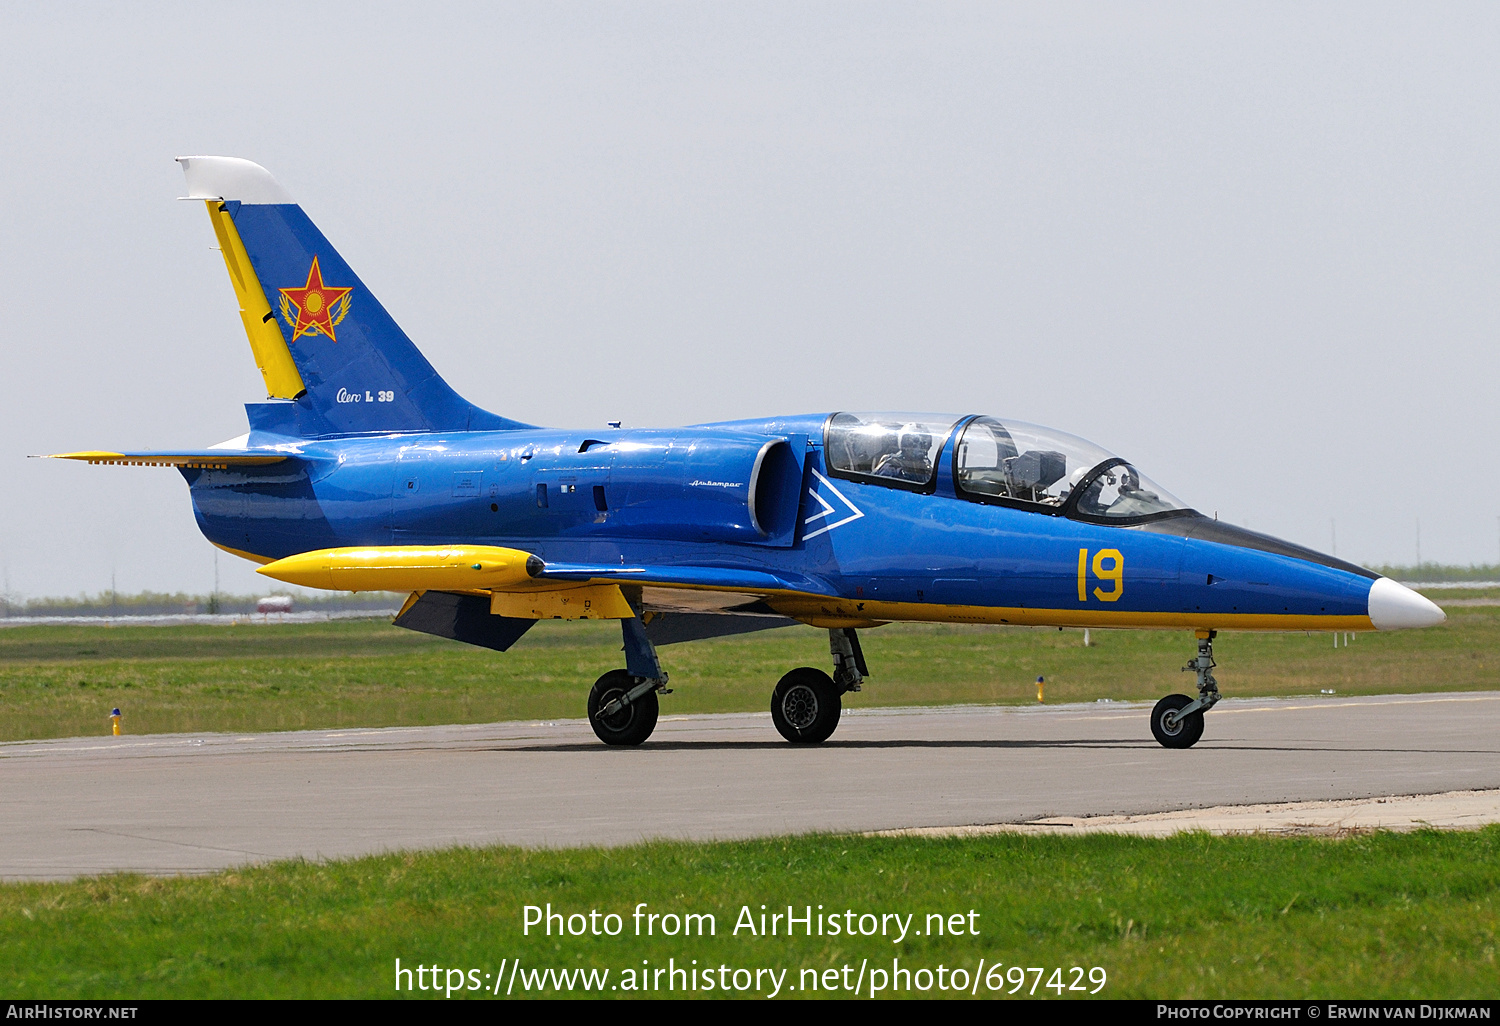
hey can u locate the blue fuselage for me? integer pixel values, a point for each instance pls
(838, 550)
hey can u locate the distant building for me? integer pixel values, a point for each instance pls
(274, 604)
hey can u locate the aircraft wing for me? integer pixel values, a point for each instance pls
(516, 584)
(488, 568)
(682, 603)
(202, 459)
(703, 591)
(705, 577)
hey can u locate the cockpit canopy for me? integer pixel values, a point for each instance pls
(1010, 463)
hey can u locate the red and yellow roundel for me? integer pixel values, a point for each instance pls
(315, 308)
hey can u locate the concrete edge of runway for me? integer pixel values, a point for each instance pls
(317, 737)
(1448, 810)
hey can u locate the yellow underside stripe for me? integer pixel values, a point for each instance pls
(252, 557)
(820, 611)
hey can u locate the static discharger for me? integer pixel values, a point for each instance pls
(114, 716)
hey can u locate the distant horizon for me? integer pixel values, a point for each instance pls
(1408, 573)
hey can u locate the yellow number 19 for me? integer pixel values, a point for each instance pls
(1115, 572)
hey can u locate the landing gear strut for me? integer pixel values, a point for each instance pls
(806, 703)
(622, 704)
(1177, 720)
(849, 669)
(805, 706)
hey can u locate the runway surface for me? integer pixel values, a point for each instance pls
(196, 803)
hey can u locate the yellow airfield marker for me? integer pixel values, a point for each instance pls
(1039, 682)
(114, 715)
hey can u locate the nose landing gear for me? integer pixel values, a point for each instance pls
(1177, 720)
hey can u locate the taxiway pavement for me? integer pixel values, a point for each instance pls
(197, 803)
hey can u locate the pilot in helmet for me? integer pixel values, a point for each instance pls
(910, 460)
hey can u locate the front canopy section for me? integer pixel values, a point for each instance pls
(1022, 464)
(1118, 492)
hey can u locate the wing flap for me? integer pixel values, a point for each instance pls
(465, 618)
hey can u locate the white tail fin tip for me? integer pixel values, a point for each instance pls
(230, 178)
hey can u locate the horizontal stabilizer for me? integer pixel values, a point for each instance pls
(202, 459)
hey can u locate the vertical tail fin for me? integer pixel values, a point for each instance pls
(321, 339)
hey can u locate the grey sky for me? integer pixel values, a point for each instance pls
(1251, 247)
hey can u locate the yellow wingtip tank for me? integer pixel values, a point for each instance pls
(407, 568)
(266, 341)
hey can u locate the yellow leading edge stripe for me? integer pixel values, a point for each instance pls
(166, 459)
(266, 341)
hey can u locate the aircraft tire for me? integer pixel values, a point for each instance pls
(805, 706)
(629, 726)
(1182, 734)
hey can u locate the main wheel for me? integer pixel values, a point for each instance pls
(805, 706)
(628, 726)
(1174, 732)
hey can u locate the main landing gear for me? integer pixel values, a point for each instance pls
(805, 705)
(1177, 720)
(622, 704)
(807, 702)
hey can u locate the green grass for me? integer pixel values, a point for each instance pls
(60, 681)
(1379, 915)
(1445, 595)
(1374, 916)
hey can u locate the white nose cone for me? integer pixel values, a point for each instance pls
(1394, 606)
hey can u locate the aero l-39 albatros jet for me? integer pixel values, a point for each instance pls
(363, 470)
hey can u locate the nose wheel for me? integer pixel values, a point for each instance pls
(1171, 728)
(1177, 720)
